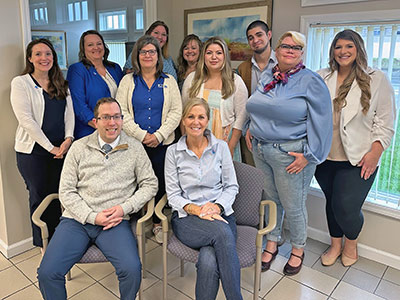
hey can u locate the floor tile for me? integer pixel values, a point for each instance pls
(79, 281)
(337, 270)
(316, 280)
(388, 290)
(155, 292)
(345, 291)
(316, 246)
(94, 292)
(12, 280)
(370, 266)
(27, 254)
(392, 275)
(278, 264)
(31, 292)
(268, 280)
(97, 270)
(29, 267)
(245, 294)
(4, 262)
(150, 245)
(288, 289)
(361, 280)
(154, 262)
(185, 284)
(310, 258)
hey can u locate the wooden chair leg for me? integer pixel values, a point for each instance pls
(257, 275)
(182, 268)
(165, 270)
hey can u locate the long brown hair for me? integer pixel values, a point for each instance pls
(201, 74)
(359, 71)
(182, 63)
(58, 86)
(82, 56)
(149, 30)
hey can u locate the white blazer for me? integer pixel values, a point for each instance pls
(359, 131)
(27, 101)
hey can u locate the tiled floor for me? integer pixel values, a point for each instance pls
(365, 280)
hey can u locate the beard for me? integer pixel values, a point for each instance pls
(261, 50)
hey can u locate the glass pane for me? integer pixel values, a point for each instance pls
(77, 11)
(70, 12)
(84, 10)
(139, 19)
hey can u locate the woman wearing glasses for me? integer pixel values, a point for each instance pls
(151, 104)
(290, 132)
(363, 126)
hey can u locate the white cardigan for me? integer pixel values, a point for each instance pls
(171, 112)
(233, 108)
(27, 101)
(359, 131)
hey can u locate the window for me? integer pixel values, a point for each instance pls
(382, 41)
(39, 14)
(77, 11)
(139, 19)
(112, 20)
(117, 52)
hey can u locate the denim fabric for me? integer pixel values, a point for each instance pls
(70, 242)
(288, 191)
(216, 242)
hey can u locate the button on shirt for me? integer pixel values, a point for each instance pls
(211, 178)
(148, 103)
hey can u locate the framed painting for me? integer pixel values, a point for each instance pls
(305, 3)
(58, 39)
(228, 22)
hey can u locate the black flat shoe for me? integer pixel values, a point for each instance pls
(290, 270)
(266, 265)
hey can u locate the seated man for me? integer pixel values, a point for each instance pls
(106, 176)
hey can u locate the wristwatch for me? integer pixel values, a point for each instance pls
(221, 209)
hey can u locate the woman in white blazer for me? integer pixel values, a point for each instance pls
(42, 105)
(363, 126)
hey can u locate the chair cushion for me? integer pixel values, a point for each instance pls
(93, 255)
(245, 247)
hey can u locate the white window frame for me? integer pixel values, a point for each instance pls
(112, 11)
(38, 6)
(369, 16)
(73, 2)
(143, 16)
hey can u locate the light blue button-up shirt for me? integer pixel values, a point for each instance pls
(211, 178)
(299, 109)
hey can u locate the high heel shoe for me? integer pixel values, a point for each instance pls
(266, 265)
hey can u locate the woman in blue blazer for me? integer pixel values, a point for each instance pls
(92, 78)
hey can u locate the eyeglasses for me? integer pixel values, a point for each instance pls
(150, 52)
(294, 48)
(108, 118)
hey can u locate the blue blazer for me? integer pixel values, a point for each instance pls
(87, 87)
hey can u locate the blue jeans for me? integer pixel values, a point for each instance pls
(288, 191)
(70, 242)
(216, 242)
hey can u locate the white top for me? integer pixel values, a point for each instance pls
(112, 85)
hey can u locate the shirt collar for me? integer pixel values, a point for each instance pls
(212, 142)
(272, 59)
(113, 144)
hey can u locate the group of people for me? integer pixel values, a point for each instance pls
(159, 130)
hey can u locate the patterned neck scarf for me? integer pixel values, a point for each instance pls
(278, 76)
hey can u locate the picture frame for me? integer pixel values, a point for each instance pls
(59, 41)
(228, 22)
(305, 3)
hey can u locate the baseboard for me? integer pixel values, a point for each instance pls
(15, 249)
(363, 250)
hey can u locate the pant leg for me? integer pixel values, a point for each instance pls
(349, 194)
(325, 175)
(157, 158)
(119, 246)
(35, 170)
(197, 233)
(207, 283)
(69, 243)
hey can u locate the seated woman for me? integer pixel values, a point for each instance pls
(201, 187)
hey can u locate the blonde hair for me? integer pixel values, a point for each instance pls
(359, 71)
(297, 37)
(192, 102)
(201, 74)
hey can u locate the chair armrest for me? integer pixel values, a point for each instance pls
(271, 220)
(37, 214)
(159, 207)
(149, 213)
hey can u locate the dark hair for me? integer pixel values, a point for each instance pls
(359, 71)
(102, 101)
(58, 86)
(182, 63)
(150, 30)
(141, 42)
(258, 23)
(82, 56)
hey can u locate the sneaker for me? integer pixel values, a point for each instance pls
(158, 234)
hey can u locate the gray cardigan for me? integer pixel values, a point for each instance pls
(92, 181)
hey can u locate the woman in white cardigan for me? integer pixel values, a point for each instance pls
(363, 126)
(152, 107)
(43, 107)
(224, 91)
